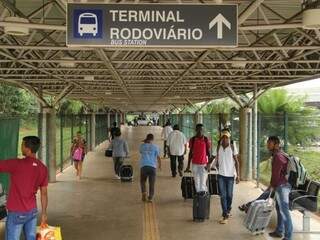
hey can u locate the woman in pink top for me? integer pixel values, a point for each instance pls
(78, 152)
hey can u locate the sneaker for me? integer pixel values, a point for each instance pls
(117, 177)
(180, 173)
(144, 197)
(243, 208)
(224, 220)
(275, 235)
(229, 215)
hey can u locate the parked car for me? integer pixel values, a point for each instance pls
(142, 121)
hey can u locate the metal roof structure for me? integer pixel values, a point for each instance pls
(276, 49)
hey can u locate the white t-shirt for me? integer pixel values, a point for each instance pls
(176, 142)
(226, 161)
(166, 131)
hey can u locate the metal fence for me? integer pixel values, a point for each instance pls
(9, 135)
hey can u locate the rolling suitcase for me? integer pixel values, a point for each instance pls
(213, 184)
(201, 206)
(259, 215)
(126, 173)
(187, 187)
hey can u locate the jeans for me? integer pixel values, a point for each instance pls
(284, 224)
(148, 173)
(118, 161)
(173, 164)
(226, 193)
(200, 175)
(18, 221)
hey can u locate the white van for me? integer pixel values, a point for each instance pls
(88, 24)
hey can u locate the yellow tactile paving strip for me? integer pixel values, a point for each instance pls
(150, 223)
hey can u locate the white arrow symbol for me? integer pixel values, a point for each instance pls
(220, 20)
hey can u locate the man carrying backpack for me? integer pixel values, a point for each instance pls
(199, 154)
(282, 188)
(226, 161)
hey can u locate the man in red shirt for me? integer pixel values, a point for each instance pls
(27, 175)
(199, 154)
(282, 188)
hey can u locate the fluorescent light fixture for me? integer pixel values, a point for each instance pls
(311, 18)
(108, 93)
(241, 62)
(88, 78)
(16, 30)
(67, 62)
(192, 87)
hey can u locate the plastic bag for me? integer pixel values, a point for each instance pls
(45, 232)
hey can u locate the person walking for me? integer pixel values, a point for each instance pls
(165, 134)
(177, 148)
(112, 131)
(78, 152)
(226, 161)
(279, 183)
(150, 155)
(199, 154)
(27, 176)
(120, 150)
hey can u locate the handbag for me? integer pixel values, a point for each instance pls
(108, 153)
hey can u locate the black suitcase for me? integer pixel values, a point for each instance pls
(213, 184)
(187, 187)
(108, 153)
(201, 206)
(126, 173)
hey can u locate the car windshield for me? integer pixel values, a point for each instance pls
(88, 20)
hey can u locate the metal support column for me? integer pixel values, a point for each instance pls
(61, 142)
(285, 137)
(244, 155)
(51, 144)
(255, 137)
(93, 131)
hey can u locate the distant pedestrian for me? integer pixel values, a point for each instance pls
(150, 155)
(78, 152)
(27, 176)
(165, 134)
(120, 151)
(177, 147)
(112, 130)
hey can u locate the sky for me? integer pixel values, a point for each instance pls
(311, 88)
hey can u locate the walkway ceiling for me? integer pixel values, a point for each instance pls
(276, 49)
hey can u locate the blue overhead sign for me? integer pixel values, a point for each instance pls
(152, 25)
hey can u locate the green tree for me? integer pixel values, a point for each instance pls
(16, 101)
(71, 107)
(303, 123)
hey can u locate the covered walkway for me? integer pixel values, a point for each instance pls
(99, 207)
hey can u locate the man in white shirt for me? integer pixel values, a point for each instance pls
(165, 134)
(226, 161)
(177, 146)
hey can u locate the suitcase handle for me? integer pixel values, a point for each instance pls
(187, 173)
